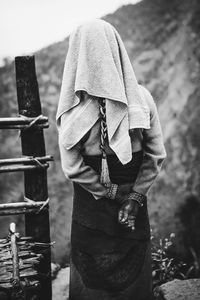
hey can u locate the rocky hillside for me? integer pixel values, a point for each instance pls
(163, 42)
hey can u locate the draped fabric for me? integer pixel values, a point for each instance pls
(109, 261)
(97, 64)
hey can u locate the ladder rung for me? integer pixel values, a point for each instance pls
(21, 208)
(19, 211)
(16, 168)
(27, 159)
(23, 122)
(21, 127)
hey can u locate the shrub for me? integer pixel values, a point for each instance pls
(165, 267)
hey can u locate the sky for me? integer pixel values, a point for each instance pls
(29, 25)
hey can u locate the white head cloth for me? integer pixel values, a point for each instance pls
(97, 63)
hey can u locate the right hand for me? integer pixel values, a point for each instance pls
(128, 213)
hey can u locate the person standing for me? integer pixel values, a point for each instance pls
(111, 147)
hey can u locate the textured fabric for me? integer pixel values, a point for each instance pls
(150, 140)
(113, 271)
(103, 214)
(97, 64)
(109, 261)
(139, 289)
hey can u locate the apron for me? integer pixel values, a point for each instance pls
(109, 261)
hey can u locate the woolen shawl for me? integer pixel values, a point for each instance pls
(97, 64)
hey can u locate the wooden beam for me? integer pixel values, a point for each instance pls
(21, 120)
(20, 211)
(23, 160)
(24, 127)
(23, 123)
(37, 205)
(20, 168)
(7, 209)
(36, 225)
(14, 250)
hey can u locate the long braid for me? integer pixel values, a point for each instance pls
(104, 131)
(105, 178)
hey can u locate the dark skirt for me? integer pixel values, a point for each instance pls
(109, 261)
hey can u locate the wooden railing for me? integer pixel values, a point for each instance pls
(33, 163)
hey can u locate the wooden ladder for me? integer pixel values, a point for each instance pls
(34, 164)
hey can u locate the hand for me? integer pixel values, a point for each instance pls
(122, 191)
(127, 213)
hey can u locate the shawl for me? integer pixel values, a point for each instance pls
(97, 64)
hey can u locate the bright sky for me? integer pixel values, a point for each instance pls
(28, 25)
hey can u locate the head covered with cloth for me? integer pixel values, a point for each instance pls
(110, 236)
(97, 64)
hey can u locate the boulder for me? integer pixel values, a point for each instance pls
(178, 290)
(60, 285)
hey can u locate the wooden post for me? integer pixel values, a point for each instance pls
(14, 250)
(36, 225)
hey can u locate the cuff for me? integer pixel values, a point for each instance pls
(139, 198)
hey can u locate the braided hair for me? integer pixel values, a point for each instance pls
(105, 179)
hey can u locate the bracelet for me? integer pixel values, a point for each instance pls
(111, 194)
(139, 198)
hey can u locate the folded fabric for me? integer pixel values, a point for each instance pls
(97, 64)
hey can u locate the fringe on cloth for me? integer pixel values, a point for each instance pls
(105, 178)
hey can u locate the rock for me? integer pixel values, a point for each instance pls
(179, 290)
(60, 285)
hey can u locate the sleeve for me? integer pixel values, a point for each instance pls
(76, 170)
(154, 152)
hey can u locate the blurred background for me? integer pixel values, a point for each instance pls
(163, 42)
